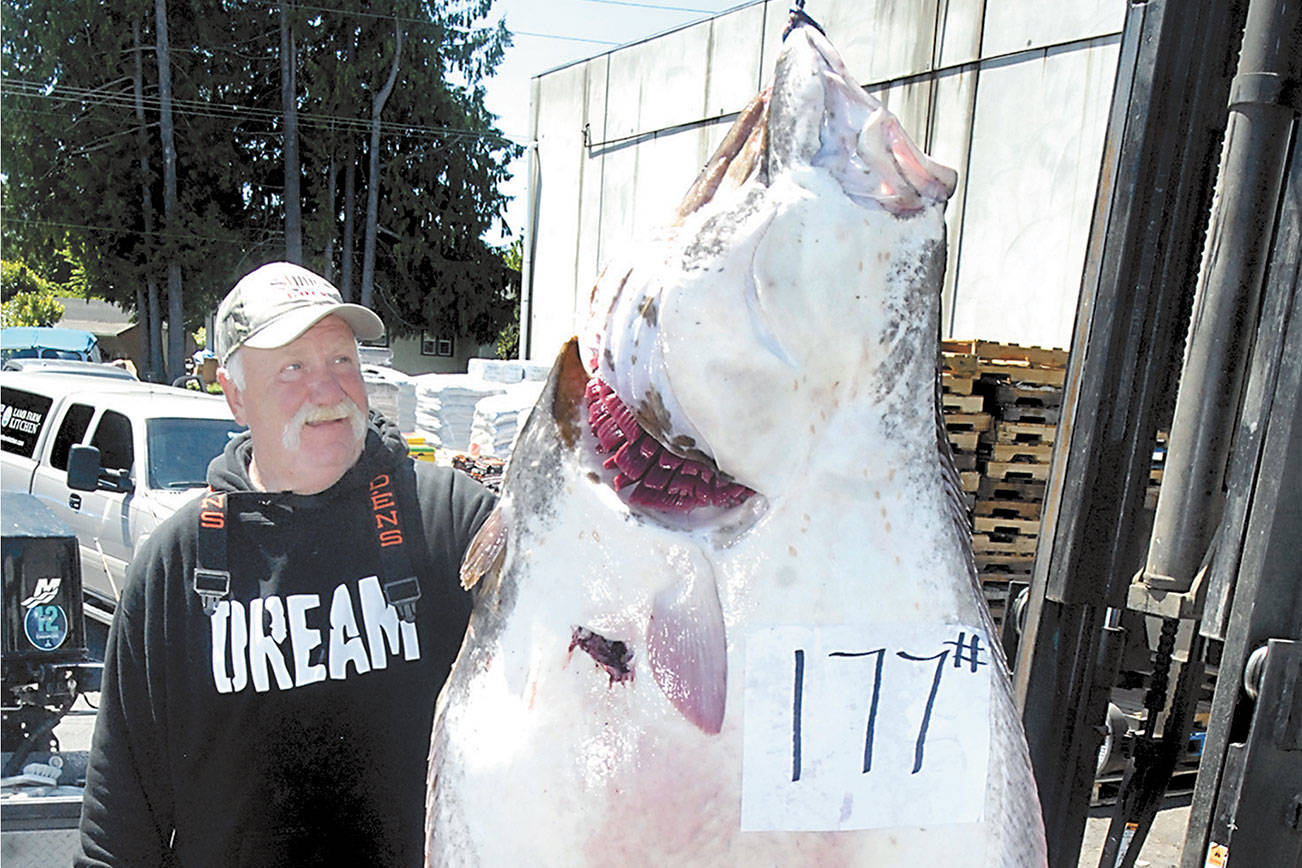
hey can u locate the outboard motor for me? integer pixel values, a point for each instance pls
(45, 663)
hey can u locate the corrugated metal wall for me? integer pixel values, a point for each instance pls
(1011, 93)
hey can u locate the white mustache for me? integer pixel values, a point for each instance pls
(343, 409)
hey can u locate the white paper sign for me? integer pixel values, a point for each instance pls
(865, 726)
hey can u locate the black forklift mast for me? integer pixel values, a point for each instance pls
(1180, 67)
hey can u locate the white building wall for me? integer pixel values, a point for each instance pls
(1012, 93)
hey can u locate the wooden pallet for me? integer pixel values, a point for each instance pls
(967, 421)
(1031, 453)
(1010, 489)
(1024, 432)
(1002, 406)
(951, 403)
(998, 544)
(1023, 374)
(1023, 509)
(1025, 395)
(964, 441)
(1011, 566)
(1046, 357)
(1019, 413)
(960, 363)
(1016, 470)
(1107, 788)
(996, 595)
(997, 580)
(957, 384)
(964, 460)
(1009, 526)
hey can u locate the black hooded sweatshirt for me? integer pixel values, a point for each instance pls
(292, 726)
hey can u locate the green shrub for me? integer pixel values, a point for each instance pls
(16, 278)
(30, 309)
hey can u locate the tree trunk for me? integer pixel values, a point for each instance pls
(175, 323)
(373, 178)
(157, 373)
(289, 103)
(350, 220)
(175, 309)
(332, 187)
(151, 330)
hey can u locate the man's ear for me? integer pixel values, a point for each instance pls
(234, 397)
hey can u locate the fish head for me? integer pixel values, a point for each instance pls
(798, 281)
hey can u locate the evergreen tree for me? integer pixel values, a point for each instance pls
(85, 165)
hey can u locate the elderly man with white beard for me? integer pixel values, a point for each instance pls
(272, 668)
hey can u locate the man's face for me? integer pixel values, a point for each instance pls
(305, 407)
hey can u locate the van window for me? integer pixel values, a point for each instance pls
(21, 419)
(113, 439)
(73, 428)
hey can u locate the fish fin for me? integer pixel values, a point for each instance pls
(735, 158)
(568, 383)
(487, 551)
(687, 649)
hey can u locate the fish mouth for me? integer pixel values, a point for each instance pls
(648, 474)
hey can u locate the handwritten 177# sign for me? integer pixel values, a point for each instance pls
(865, 726)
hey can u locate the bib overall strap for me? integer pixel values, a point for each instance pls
(397, 577)
(212, 578)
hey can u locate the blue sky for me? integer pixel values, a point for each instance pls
(556, 32)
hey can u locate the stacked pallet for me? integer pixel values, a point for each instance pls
(1002, 405)
(1156, 470)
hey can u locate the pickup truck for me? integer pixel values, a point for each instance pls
(109, 457)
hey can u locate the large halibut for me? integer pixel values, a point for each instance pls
(727, 612)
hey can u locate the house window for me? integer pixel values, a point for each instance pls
(435, 346)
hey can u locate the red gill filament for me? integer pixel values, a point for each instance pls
(648, 474)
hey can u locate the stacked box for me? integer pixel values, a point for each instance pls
(1010, 438)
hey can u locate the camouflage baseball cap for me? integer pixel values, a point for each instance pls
(274, 304)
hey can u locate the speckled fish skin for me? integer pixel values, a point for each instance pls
(783, 327)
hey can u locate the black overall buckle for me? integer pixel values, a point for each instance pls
(211, 586)
(402, 594)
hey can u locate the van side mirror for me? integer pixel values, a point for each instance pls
(83, 468)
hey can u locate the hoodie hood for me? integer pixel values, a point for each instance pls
(385, 447)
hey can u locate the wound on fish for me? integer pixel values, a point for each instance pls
(610, 654)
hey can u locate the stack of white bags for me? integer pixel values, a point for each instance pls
(445, 407)
(499, 419)
(448, 413)
(392, 394)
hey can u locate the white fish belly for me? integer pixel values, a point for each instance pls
(541, 758)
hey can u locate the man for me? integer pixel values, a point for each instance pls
(271, 671)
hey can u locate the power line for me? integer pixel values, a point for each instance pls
(202, 108)
(120, 230)
(424, 23)
(563, 38)
(653, 6)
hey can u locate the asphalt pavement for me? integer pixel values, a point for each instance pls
(1161, 848)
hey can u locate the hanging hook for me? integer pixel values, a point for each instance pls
(798, 17)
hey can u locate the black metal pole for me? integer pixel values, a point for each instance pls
(1255, 582)
(1141, 265)
(1263, 101)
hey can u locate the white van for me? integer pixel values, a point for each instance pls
(152, 445)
